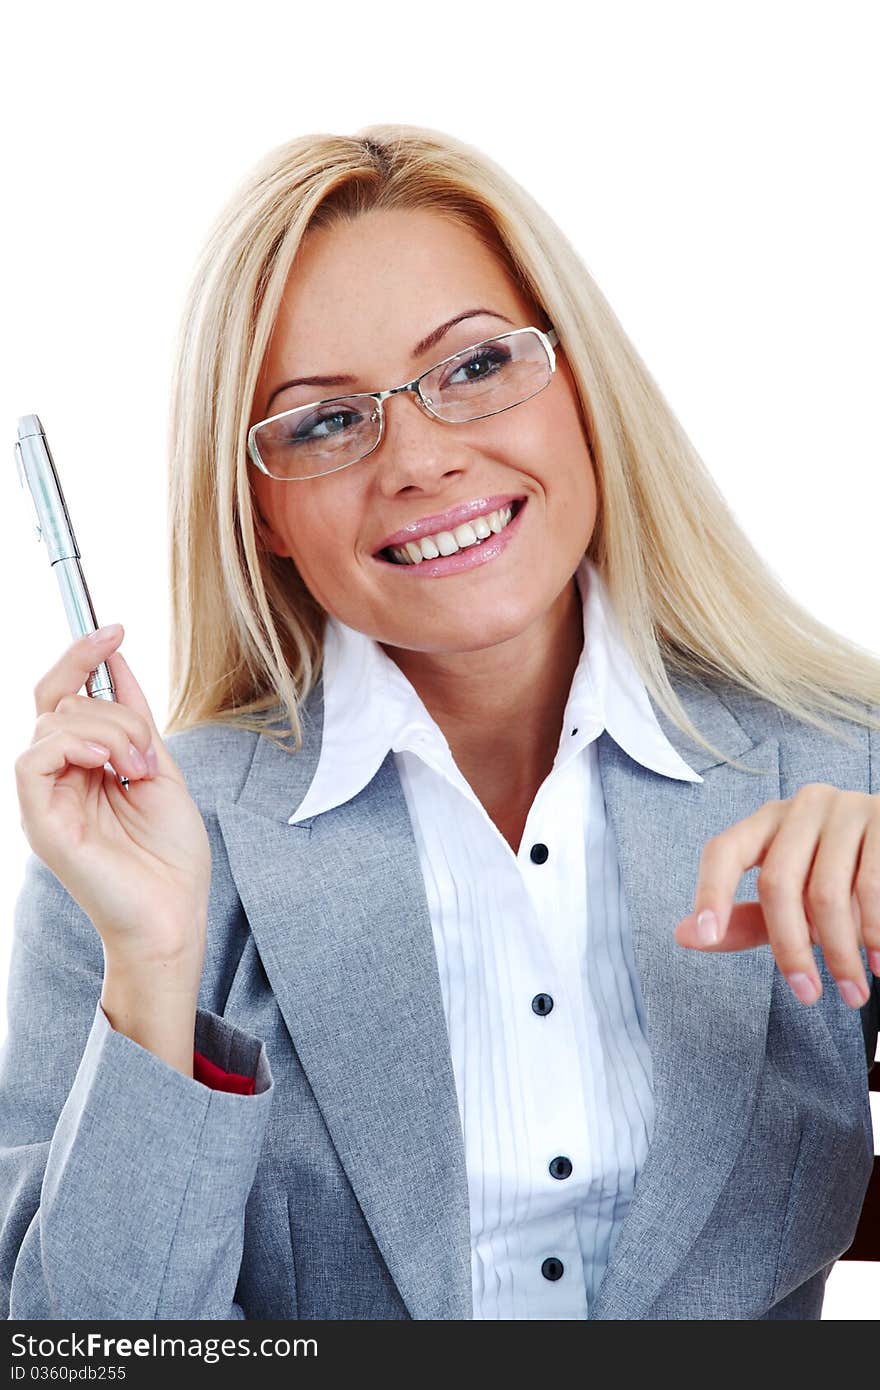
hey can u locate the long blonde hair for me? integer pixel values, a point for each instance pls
(690, 592)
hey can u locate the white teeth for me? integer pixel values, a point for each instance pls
(465, 535)
(448, 542)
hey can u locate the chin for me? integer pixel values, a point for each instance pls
(472, 633)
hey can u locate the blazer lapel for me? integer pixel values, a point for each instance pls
(338, 911)
(706, 1015)
(339, 914)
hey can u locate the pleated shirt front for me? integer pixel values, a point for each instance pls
(542, 998)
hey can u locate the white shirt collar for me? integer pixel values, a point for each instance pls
(371, 708)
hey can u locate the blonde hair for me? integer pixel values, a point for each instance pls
(690, 592)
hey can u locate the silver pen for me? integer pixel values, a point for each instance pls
(38, 476)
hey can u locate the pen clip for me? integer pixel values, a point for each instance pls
(23, 480)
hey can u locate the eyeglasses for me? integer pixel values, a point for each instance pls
(493, 375)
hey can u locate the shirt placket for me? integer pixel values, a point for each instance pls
(545, 905)
(552, 879)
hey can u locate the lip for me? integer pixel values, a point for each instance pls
(470, 558)
(446, 521)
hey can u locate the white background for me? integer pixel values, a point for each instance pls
(714, 163)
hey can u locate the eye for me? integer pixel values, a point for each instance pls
(313, 427)
(487, 360)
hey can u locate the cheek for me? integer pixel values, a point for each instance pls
(574, 448)
(585, 483)
(558, 457)
(321, 533)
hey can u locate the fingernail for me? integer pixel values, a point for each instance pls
(136, 759)
(874, 962)
(152, 761)
(804, 987)
(104, 634)
(707, 927)
(852, 993)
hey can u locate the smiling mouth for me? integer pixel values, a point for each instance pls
(467, 536)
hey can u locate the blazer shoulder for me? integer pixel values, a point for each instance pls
(214, 759)
(851, 750)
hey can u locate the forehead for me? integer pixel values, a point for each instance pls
(385, 279)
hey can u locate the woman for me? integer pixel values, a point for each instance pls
(459, 1048)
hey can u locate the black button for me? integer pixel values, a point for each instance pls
(542, 1004)
(560, 1167)
(539, 854)
(552, 1268)
(574, 731)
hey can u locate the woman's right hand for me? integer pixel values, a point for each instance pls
(137, 861)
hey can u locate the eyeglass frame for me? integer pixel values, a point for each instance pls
(548, 337)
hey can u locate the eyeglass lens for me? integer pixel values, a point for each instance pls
(480, 381)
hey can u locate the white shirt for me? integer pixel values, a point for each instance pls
(571, 1082)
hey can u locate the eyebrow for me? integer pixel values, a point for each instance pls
(422, 346)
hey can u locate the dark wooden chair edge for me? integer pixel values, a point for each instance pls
(866, 1245)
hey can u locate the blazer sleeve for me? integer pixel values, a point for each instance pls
(123, 1182)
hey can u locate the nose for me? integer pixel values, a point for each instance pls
(418, 453)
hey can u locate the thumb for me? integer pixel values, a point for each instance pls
(745, 929)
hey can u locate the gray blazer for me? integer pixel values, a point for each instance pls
(339, 1190)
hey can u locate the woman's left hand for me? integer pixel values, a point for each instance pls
(819, 884)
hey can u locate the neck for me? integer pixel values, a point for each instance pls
(501, 708)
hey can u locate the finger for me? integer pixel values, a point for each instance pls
(782, 884)
(829, 893)
(129, 693)
(39, 765)
(746, 929)
(124, 732)
(70, 673)
(725, 858)
(866, 889)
